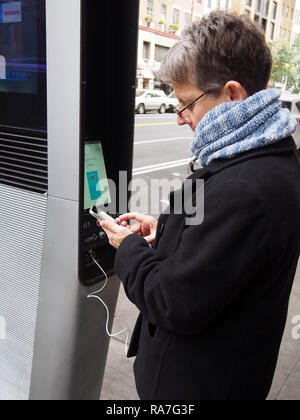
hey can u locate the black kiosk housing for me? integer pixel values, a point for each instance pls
(107, 115)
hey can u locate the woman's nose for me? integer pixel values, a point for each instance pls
(181, 120)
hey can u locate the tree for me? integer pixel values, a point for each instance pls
(286, 64)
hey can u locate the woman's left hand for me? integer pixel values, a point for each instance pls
(116, 233)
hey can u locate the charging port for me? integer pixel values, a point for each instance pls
(92, 253)
(88, 257)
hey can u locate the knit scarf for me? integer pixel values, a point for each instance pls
(239, 126)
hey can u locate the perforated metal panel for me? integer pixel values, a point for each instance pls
(22, 227)
(24, 159)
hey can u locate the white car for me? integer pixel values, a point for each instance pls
(292, 102)
(172, 102)
(150, 100)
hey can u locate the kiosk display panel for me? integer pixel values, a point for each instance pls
(96, 188)
(23, 64)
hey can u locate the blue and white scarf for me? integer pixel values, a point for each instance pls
(238, 126)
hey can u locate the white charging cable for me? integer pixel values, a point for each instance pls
(94, 296)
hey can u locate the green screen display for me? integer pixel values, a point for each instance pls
(96, 188)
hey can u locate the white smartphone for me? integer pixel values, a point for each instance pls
(101, 216)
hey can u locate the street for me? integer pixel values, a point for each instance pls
(159, 140)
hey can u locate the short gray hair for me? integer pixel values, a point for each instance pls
(179, 64)
(221, 47)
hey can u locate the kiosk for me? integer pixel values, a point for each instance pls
(67, 93)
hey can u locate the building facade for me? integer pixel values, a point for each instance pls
(296, 25)
(287, 9)
(275, 16)
(161, 23)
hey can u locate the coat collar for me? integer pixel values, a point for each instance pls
(287, 145)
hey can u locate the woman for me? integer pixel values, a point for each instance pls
(213, 297)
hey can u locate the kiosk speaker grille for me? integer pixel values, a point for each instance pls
(24, 160)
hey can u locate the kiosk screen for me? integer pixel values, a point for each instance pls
(23, 65)
(20, 57)
(96, 188)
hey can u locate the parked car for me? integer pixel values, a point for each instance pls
(172, 102)
(150, 100)
(292, 102)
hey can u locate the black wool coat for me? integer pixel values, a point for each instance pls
(214, 297)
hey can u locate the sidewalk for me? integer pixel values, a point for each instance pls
(119, 381)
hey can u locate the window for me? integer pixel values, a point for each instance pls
(274, 10)
(176, 17)
(139, 93)
(160, 52)
(285, 104)
(150, 7)
(272, 27)
(146, 50)
(187, 20)
(209, 4)
(258, 5)
(266, 7)
(163, 12)
(248, 3)
(163, 17)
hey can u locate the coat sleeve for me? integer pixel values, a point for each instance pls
(213, 263)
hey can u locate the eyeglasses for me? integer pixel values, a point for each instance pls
(180, 111)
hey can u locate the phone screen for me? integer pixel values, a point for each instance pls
(96, 187)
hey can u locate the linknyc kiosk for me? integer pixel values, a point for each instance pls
(67, 89)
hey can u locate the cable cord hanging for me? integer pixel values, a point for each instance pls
(94, 296)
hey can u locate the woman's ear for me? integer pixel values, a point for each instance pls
(235, 91)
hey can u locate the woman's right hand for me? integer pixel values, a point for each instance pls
(146, 225)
